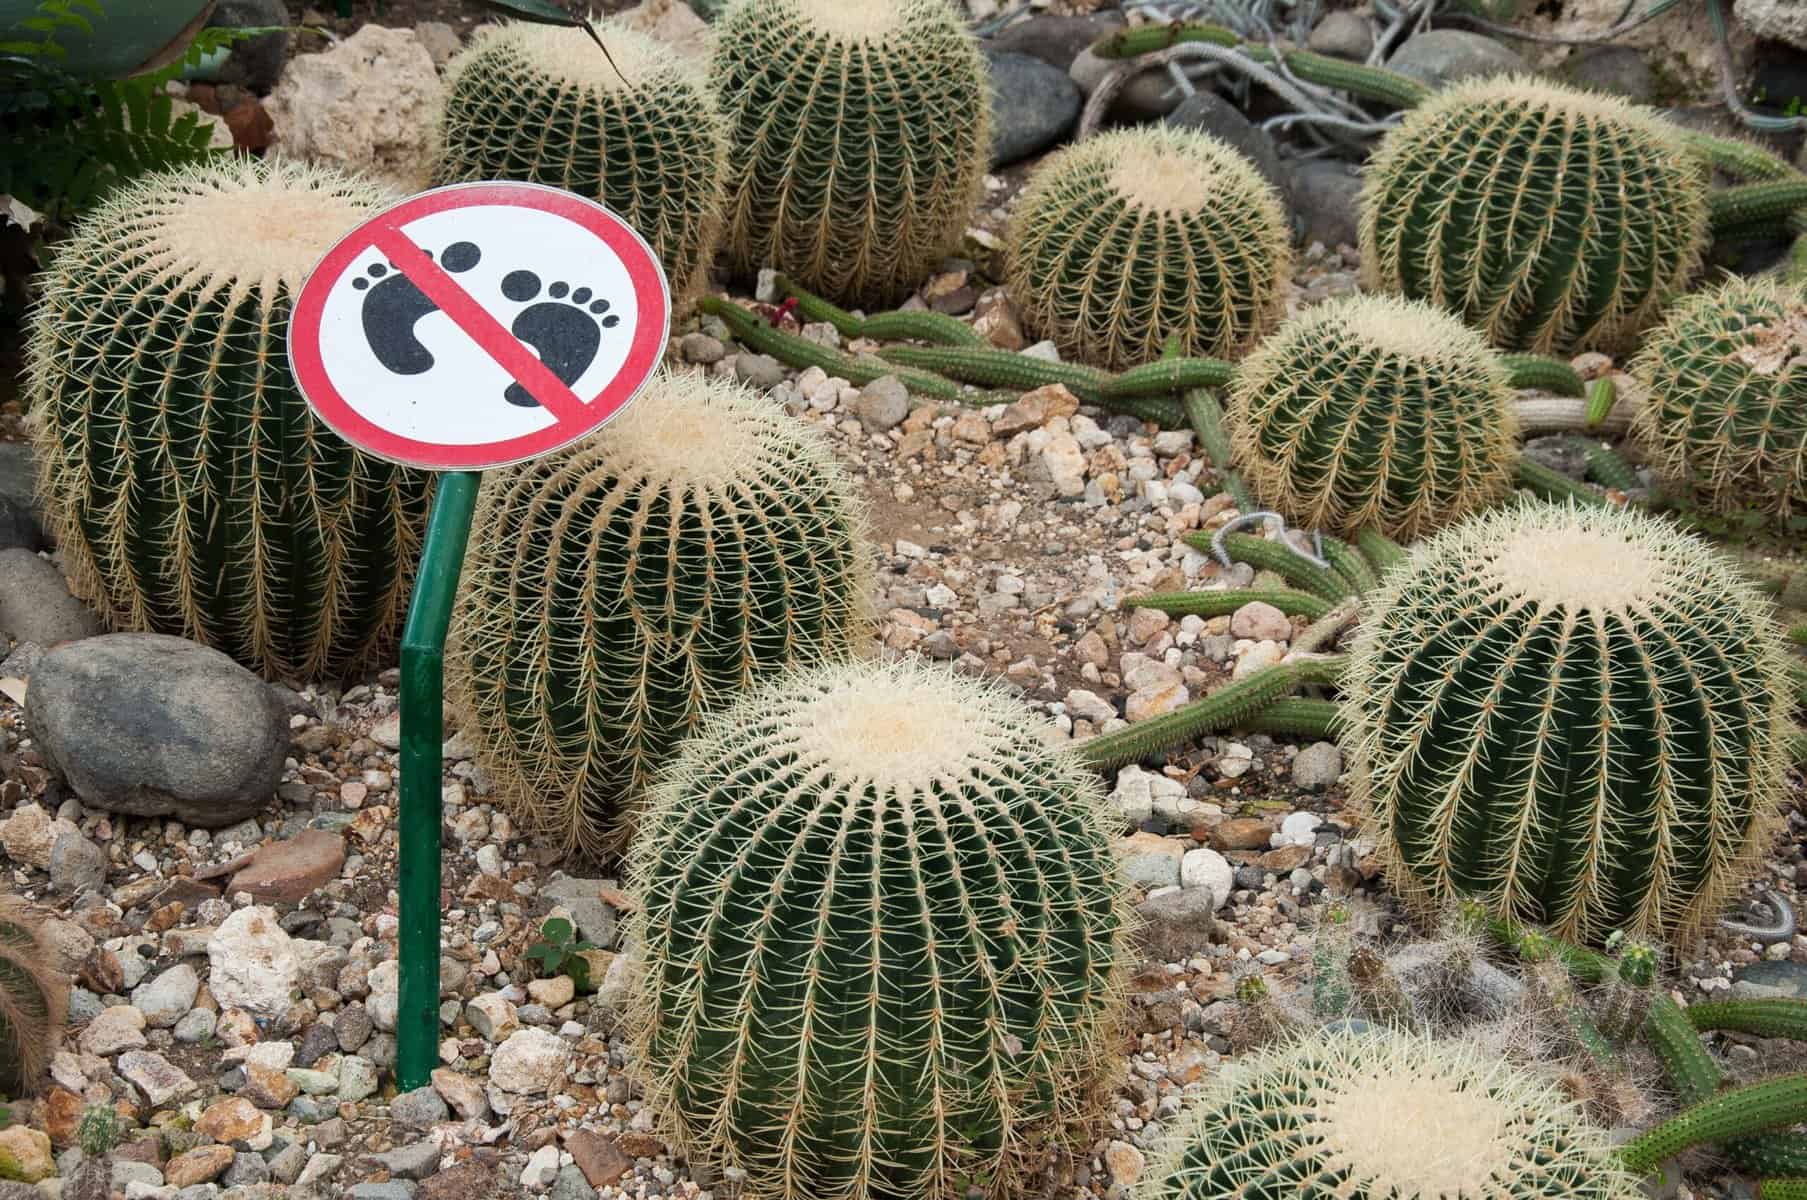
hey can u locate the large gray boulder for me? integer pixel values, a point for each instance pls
(1057, 40)
(1033, 105)
(1441, 57)
(153, 726)
(1207, 112)
(35, 604)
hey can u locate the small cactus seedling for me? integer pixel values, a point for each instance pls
(187, 482)
(1575, 716)
(1385, 1116)
(1374, 412)
(619, 588)
(1725, 417)
(641, 133)
(1549, 218)
(882, 935)
(859, 133)
(33, 1001)
(1135, 237)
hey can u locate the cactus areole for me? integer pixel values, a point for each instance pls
(471, 326)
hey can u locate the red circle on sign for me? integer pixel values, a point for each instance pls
(574, 416)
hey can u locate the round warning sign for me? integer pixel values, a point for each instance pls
(479, 325)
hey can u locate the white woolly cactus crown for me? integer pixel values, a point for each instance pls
(1575, 716)
(1385, 1116)
(882, 933)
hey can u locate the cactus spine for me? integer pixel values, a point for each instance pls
(1131, 238)
(882, 933)
(1375, 412)
(1726, 415)
(617, 589)
(1563, 220)
(191, 489)
(541, 104)
(1573, 715)
(1385, 1116)
(34, 1000)
(859, 135)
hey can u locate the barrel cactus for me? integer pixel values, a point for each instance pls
(616, 589)
(1549, 218)
(541, 104)
(1726, 412)
(859, 136)
(1573, 716)
(1134, 237)
(881, 936)
(1386, 1116)
(34, 1000)
(1375, 412)
(191, 489)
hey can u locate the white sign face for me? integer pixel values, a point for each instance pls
(478, 325)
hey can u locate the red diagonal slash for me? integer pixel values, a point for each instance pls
(478, 325)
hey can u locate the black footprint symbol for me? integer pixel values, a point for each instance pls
(395, 306)
(566, 336)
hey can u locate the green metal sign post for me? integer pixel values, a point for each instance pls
(423, 732)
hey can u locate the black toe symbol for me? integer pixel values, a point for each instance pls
(565, 335)
(395, 306)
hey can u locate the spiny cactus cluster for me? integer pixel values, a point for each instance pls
(189, 486)
(541, 104)
(1134, 237)
(1573, 715)
(1726, 412)
(859, 135)
(882, 935)
(1386, 1116)
(34, 1000)
(1549, 218)
(618, 588)
(1375, 412)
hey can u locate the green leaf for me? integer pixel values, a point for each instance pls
(557, 931)
(579, 971)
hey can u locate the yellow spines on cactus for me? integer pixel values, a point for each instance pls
(185, 478)
(1375, 413)
(1724, 415)
(1549, 218)
(619, 588)
(643, 135)
(34, 1000)
(859, 133)
(1135, 237)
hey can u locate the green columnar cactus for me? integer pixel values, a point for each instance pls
(859, 133)
(541, 104)
(1375, 412)
(1572, 715)
(190, 487)
(617, 589)
(1385, 1116)
(882, 936)
(1134, 237)
(1628, 994)
(1560, 220)
(1726, 411)
(33, 1001)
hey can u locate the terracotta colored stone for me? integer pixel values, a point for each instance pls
(147, 1150)
(1285, 858)
(234, 1119)
(102, 973)
(640, 1145)
(251, 126)
(466, 1181)
(268, 1088)
(204, 97)
(185, 891)
(200, 1165)
(1241, 833)
(289, 871)
(600, 1159)
(62, 1115)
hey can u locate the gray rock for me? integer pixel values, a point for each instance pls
(1056, 40)
(394, 1189)
(256, 64)
(153, 726)
(354, 1027)
(1566, 455)
(882, 404)
(410, 1162)
(1177, 925)
(35, 604)
(440, 39)
(19, 525)
(128, 1171)
(319, 1041)
(1207, 112)
(758, 370)
(419, 1109)
(1342, 34)
(1774, 20)
(571, 1185)
(197, 1025)
(1771, 980)
(169, 997)
(248, 1167)
(76, 864)
(1618, 70)
(1148, 95)
(594, 917)
(701, 349)
(1325, 196)
(1317, 766)
(1033, 105)
(22, 661)
(1441, 57)
(286, 1164)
